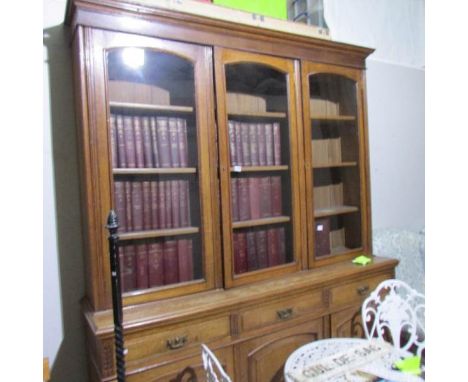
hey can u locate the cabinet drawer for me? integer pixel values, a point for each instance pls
(176, 338)
(279, 311)
(354, 292)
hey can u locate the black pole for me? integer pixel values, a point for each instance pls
(112, 225)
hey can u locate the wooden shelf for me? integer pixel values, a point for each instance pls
(149, 107)
(259, 168)
(264, 221)
(338, 210)
(342, 164)
(260, 114)
(333, 117)
(150, 171)
(340, 251)
(158, 233)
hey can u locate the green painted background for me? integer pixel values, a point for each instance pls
(272, 8)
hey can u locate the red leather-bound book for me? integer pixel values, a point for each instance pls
(139, 149)
(113, 138)
(168, 203)
(276, 202)
(234, 199)
(265, 197)
(261, 144)
(252, 261)
(245, 137)
(273, 250)
(121, 148)
(261, 244)
(142, 266)
(232, 143)
(254, 197)
(162, 127)
(137, 205)
(128, 205)
(129, 139)
(147, 213)
(147, 142)
(174, 142)
(154, 204)
(238, 144)
(270, 159)
(281, 245)
(322, 237)
(155, 264)
(127, 255)
(182, 138)
(240, 255)
(154, 141)
(243, 198)
(171, 262)
(253, 144)
(184, 251)
(175, 203)
(188, 209)
(162, 204)
(120, 209)
(183, 200)
(276, 143)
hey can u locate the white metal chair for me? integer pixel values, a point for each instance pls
(395, 312)
(213, 369)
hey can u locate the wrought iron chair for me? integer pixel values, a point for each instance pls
(395, 312)
(214, 370)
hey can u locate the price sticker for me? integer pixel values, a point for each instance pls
(320, 227)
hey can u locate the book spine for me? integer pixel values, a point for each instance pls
(185, 260)
(128, 205)
(273, 252)
(175, 203)
(232, 143)
(147, 142)
(276, 199)
(238, 143)
(168, 203)
(234, 199)
(137, 206)
(154, 141)
(154, 205)
(129, 139)
(142, 266)
(146, 192)
(174, 142)
(261, 144)
(243, 198)
(281, 245)
(254, 197)
(246, 161)
(253, 143)
(113, 139)
(155, 265)
(240, 256)
(161, 204)
(270, 160)
(187, 208)
(163, 141)
(122, 162)
(139, 149)
(128, 269)
(171, 263)
(252, 261)
(182, 140)
(120, 208)
(276, 143)
(261, 244)
(265, 199)
(322, 237)
(184, 222)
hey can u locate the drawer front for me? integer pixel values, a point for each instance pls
(179, 338)
(354, 292)
(280, 311)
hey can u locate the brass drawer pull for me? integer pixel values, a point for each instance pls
(362, 291)
(176, 342)
(284, 314)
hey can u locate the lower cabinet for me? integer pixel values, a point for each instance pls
(347, 323)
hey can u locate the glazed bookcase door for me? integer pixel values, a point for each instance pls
(258, 162)
(336, 163)
(156, 147)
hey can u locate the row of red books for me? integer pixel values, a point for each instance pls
(256, 197)
(145, 266)
(148, 142)
(254, 144)
(146, 205)
(259, 249)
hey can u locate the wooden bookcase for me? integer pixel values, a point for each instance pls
(236, 159)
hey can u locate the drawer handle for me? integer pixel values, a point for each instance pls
(362, 291)
(176, 342)
(284, 314)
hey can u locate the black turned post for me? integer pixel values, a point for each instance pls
(112, 225)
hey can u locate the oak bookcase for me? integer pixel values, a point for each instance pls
(236, 159)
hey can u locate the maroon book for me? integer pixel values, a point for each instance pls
(137, 205)
(243, 202)
(161, 204)
(183, 202)
(322, 237)
(168, 203)
(232, 143)
(261, 144)
(154, 141)
(276, 143)
(113, 138)
(253, 144)
(270, 160)
(142, 266)
(265, 197)
(174, 142)
(154, 205)
(261, 245)
(147, 213)
(129, 139)
(155, 265)
(122, 162)
(128, 205)
(139, 150)
(171, 262)
(182, 140)
(184, 251)
(120, 209)
(128, 273)
(238, 140)
(273, 250)
(234, 200)
(254, 197)
(175, 203)
(162, 128)
(252, 261)
(245, 136)
(281, 245)
(240, 255)
(276, 202)
(147, 142)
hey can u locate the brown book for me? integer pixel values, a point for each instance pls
(183, 203)
(129, 138)
(281, 245)
(162, 128)
(174, 142)
(139, 150)
(175, 203)
(276, 201)
(273, 250)
(184, 252)
(245, 135)
(154, 141)
(240, 253)
(147, 142)
(276, 143)
(252, 261)
(120, 209)
(243, 202)
(265, 197)
(322, 237)
(128, 205)
(254, 197)
(232, 143)
(238, 140)
(253, 144)
(171, 262)
(137, 205)
(154, 204)
(113, 139)
(182, 138)
(128, 273)
(155, 265)
(142, 266)
(270, 160)
(147, 213)
(162, 204)
(261, 244)
(122, 161)
(261, 144)
(234, 199)
(168, 203)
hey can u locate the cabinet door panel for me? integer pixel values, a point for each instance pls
(347, 323)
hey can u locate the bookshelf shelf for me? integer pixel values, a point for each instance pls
(259, 114)
(335, 118)
(259, 168)
(342, 164)
(148, 107)
(158, 233)
(258, 222)
(154, 171)
(338, 210)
